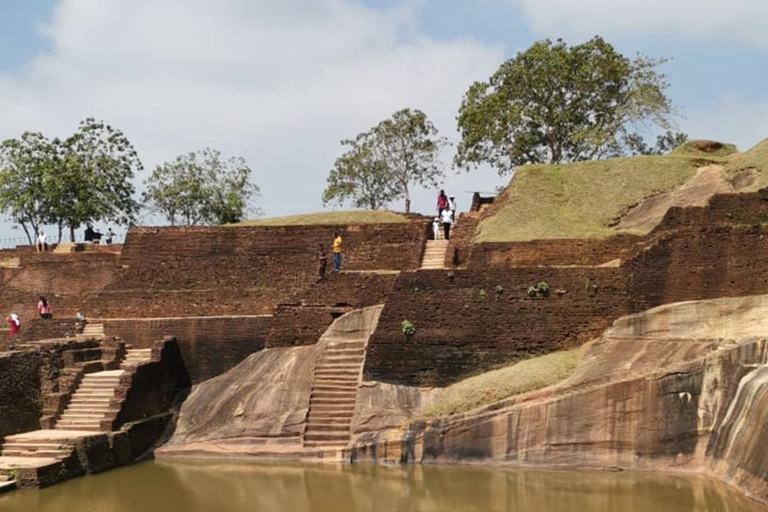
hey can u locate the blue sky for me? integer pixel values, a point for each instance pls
(280, 82)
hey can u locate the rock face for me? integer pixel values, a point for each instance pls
(679, 387)
(261, 406)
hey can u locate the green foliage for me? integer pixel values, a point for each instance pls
(539, 290)
(482, 293)
(408, 328)
(451, 275)
(382, 163)
(28, 166)
(665, 143)
(82, 179)
(12, 474)
(201, 188)
(558, 103)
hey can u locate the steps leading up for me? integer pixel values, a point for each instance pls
(136, 356)
(92, 331)
(434, 255)
(91, 402)
(337, 378)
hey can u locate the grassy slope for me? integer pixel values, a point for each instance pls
(329, 218)
(755, 158)
(487, 388)
(580, 200)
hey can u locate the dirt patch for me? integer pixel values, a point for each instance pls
(647, 214)
(744, 179)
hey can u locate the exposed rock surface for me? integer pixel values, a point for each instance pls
(679, 387)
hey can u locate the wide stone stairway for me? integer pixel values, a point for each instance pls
(434, 255)
(93, 399)
(92, 331)
(334, 392)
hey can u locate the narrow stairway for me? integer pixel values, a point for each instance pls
(93, 398)
(334, 392)
(92, 331)
(434, 255)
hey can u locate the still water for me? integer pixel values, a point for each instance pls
(176, 487)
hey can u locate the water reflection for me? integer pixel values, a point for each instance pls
(187, 487)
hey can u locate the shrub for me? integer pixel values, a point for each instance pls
(408, 328)
(540, 290)
(482, 293)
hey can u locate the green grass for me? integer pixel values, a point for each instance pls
(755, 158)
(487, 388)
(694, 148)
(329, 218)
(579, 200)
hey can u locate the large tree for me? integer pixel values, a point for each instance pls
(201, 188)
(96, 179)
(400, 151)
(28, 169)
(558, 103)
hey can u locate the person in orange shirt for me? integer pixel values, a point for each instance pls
(336, 252)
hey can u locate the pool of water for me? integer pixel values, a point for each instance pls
(190, 487)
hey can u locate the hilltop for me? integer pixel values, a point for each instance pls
(597, 199)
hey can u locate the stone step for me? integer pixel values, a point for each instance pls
(337, 382)
(34, 453)
(330, 420)
(33, 444)
(327, 436)
(321, 366)
(349, 388)
(345, 345)
(349, 360)
(352, 351)
(84, 428)
(314, 427)
(84, 411)
(86, 400)
(346, 394)
(325, 409)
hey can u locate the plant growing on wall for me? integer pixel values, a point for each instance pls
(499, 291)
(539, 290)
(482, 294)
(408, 328)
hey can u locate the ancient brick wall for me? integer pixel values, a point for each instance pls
(462, 240)
(580, 252)
(209, 345)
(722, 209)
(464, 326)
(309, 313)
(699, 263)
(21, 402)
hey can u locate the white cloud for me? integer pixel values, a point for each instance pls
(279, 82)
(739, 20)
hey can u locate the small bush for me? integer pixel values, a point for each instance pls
(408, 328)
(540, 290)
(451, 275)
(482, 294)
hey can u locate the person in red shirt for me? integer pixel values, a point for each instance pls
(442, 203)
(43, 308)
(13, 321)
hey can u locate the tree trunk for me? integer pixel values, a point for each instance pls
(26, 231)
(407, 200)
(72, 233)
(59, 240)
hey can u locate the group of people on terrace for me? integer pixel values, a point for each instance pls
(14, 322)
(90, 236)
(446, 215)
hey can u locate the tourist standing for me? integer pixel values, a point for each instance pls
(452, 207)
(42, 244)
(43, 308)
(14, 323)
(436, 228)
(336, 252)
(322, 257)
(442, 202)
(447, 219)
(110, 236)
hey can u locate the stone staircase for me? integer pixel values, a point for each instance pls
(92, 331)
(93, 399)
(334, 392)
(434, 255)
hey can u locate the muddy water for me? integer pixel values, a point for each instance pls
(164, 487)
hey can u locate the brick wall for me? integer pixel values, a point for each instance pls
(209, 345)
(583, 252)
(699, 263)
(722, 209)
(460, 333)
(308, 314)
(21, 403)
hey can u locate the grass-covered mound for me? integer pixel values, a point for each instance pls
(708, 149)
(487, 388)
(755, 159)
(580, 200)
(329, 218)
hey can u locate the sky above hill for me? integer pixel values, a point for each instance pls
(281, 82)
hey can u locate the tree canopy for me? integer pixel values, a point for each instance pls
(201, 188)
(381, 164)
(71, 182)
(557, 103)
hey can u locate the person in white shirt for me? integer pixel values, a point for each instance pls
(447, 219)
(436, 228)
(452, 207)
(42, 245)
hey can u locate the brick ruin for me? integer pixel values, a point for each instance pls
(225, 293)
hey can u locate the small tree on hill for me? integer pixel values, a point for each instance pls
(386, 160)
(557, 103)
(201, 188)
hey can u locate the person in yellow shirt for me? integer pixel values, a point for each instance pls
(336, 252)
